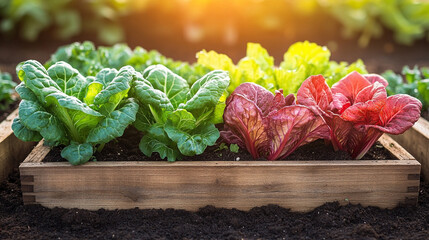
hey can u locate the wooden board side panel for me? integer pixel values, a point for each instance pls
(12, 150)
(416, 141)
(300, 188)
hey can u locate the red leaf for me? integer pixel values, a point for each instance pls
(373, 78)
(368, 104)
(315, 93)
(244, 120)
(292, 127)
(350, 86)
(399, 113)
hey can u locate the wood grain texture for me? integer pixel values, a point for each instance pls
(12, 150)
(299, 185)
(416, 141)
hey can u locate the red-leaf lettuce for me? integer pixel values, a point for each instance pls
(268, 125)
(358, 110)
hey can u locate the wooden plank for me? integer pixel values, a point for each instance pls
(416, 141)
(298, 185)
(12, 150)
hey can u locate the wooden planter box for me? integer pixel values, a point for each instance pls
(416, 141)
(299, 185)
(12, 150)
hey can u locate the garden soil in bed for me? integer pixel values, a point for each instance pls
(330, 221)
(9, 109)
(126, 148)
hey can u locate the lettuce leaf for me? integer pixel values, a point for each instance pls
(177, 119)
(302, 60)
(358, 111)
(268, 125)
(64, 107)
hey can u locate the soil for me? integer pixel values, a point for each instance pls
(425, 114)
(330, 221)
(126, 148)
(9, 109)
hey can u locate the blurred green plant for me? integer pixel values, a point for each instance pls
(413, 81)
(408, 19)
(6, 90)
(66, 18)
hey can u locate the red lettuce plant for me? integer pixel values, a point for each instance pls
(268, 125)
(358, 110)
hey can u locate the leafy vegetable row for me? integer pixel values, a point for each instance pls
(83, 113)
(352, 114)
(416, 83)
(302, 59)
(6, 89)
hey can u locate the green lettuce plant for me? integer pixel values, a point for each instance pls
(6, 89)
(413, 81)
(302, 60)
(66, 108)
(177, 118)
(89, 60)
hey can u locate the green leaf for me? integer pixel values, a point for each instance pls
(34, 117)
(68, 79)
(77, 153)
(423, 88)
(148, 95)
(76, 116)
(206, 91)
(144, 119)
(25, 93)
(182, 120)
(234, 148)
(24, 133)
(194, 142)
(114, 125)
(36, 78)
(164, 80)
(156, 140)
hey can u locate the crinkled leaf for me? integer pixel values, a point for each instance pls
(68, 79)
(193, 142)
(25, 93)
(24, 133)
(244, 120)
(36, 78)
(182, 120)
(114, 124)
(400, 113)
(350, 86)
(315, 93)
(156, 140)
(148, 95)
(367, 106)
(292, 127)
(206, 91)
(77, 153)
(34, 117)
(171, 84)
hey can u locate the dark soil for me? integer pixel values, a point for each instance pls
(330, 221)
(126, 148)
(9, 109)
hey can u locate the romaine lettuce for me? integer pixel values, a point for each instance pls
(64, 107)
(177, 119)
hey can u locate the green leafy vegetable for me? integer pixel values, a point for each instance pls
(89, 60)
(302, 60)
(63, 107)
(177, 119)
(6, 89)
(414, 82)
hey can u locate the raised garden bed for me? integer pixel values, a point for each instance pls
(416, 141)
(298, 185)
(12, 150)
